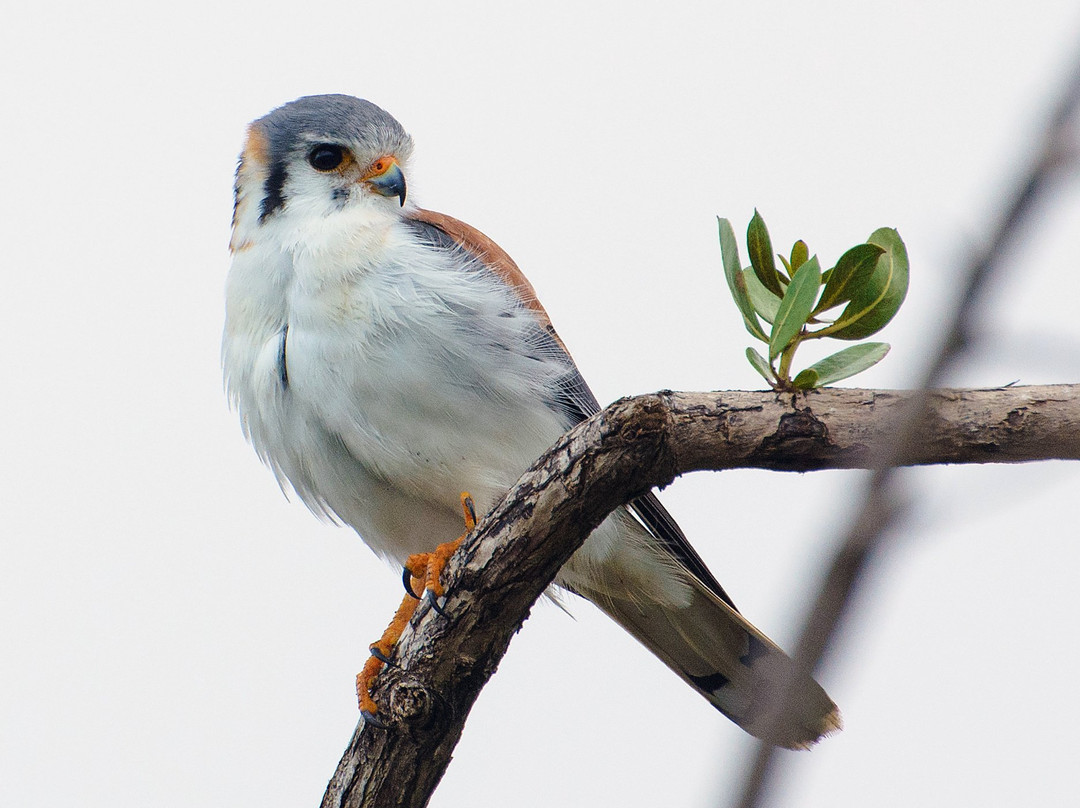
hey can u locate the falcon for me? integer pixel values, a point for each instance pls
(383, 358)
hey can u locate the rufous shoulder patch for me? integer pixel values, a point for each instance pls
(476, 243)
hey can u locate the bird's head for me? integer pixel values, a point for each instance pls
(315, 156)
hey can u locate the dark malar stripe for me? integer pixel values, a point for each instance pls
(273, 189)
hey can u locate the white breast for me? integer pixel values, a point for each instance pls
(410, 378)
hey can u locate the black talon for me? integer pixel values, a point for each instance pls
(406, 578)
(472, 508)
(383, 658)
(433, 602)
(372, 720)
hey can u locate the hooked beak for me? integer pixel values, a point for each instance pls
(386, 178)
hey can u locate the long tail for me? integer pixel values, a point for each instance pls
(728, 661)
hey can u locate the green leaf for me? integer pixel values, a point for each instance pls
(759, 246)
(760, 365)
(850, 272)
(805, 380)
(878, 298)
(799, 253)
(796, 306)
(841, 365)
(787, 265)
(765, 303)
(729, 251)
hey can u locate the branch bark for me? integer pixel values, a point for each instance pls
(634, 445)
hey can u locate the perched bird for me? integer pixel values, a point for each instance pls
(384, 358)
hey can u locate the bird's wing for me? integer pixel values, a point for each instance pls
(705, 640)
(574, 397)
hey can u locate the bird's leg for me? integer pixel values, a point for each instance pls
(435, 561)
(419, 567)
(380, 656)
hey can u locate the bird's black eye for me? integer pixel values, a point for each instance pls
(326, 157)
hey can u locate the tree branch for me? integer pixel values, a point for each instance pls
(1055, 153)
(632, 446)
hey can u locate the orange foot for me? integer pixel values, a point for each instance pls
(420, 568)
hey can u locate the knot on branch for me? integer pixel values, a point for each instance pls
(798, 434)
(414, 706)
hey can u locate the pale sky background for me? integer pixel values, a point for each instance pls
(174, 632)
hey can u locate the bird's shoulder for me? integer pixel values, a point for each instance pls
(445, 231)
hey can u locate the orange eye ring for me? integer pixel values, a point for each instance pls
(380, 167)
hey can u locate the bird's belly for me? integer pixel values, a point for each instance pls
(415, 424)
(386, 441)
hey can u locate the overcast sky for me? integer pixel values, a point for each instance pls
(174, 632)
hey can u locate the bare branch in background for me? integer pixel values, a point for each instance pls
(1056, 152)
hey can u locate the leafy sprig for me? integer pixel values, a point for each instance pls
(784, 307)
